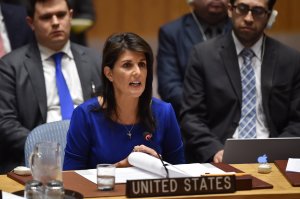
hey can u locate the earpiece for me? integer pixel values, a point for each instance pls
(272, 19)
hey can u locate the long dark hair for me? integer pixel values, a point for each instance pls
(114, 46)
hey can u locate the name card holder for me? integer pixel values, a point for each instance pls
(181, 186)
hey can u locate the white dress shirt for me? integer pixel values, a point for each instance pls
(262, 130)
(4, 34)
(71, 76)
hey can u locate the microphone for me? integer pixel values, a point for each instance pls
(148, 137)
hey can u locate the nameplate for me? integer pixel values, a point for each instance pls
(181, 186)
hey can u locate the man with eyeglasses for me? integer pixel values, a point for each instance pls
(242, 85)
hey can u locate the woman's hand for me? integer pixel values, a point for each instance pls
(145, 149)
(123, 163)
(138, 148)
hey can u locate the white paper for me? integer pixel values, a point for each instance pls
(293, 165)
(149, 167)
(196, 169)
(122, 174)
(152, 164)
(133, 173)
(89, 174)
(6, 195)
(147, 162)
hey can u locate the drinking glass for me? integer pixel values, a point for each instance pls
(106, 177)
(54, 190)
(33, 190)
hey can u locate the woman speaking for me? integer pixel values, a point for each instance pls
(125, 118)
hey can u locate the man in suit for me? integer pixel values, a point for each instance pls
(83, 18)
(176, 40)
(215, 101)
(14, 29)
(28, 81)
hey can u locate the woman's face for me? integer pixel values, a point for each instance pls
(128, 75)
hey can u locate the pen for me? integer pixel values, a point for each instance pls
(93, 94)
(225, 174)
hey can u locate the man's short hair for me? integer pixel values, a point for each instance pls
(31, 6)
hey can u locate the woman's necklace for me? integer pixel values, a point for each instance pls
(128, 131)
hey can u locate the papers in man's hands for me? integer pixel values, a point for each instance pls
(148, 167)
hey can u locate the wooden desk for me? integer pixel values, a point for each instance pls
(282, 189)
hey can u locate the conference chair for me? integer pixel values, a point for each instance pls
(53, 131)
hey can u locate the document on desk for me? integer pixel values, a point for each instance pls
(293, 165)
(153, 169)
(6, 195)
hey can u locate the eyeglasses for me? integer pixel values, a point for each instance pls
(257, 12)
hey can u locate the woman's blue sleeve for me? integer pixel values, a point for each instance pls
(77, 147)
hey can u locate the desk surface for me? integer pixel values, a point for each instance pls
(282, 188)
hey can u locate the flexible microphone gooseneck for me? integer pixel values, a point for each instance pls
(148, 137)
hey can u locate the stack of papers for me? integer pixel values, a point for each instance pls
(148, 167)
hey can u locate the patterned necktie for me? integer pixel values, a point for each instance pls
(66, 103)
(247, 127)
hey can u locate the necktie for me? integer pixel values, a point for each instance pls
(247, 127)
(219, 31)
(66, 103)
(209, 33)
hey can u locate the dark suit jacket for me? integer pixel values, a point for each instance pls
(19, 32)
(211, 107)
(176, 40)
(23, 101)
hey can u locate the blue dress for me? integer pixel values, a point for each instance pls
(92, 138)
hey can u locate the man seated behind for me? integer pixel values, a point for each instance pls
(208, 18)
(31, 92)
(242, 85)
